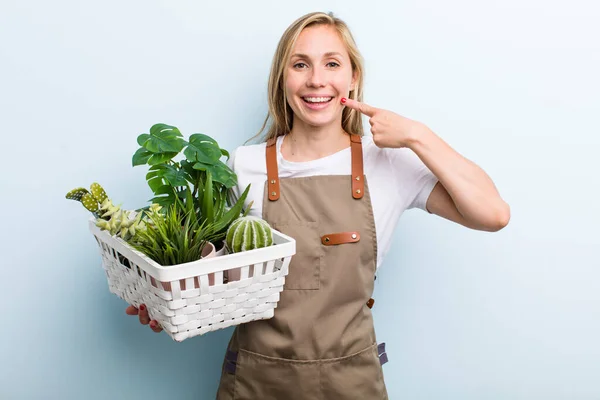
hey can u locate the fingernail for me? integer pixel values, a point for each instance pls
(153, 324)
(343, 100)
(142, 307)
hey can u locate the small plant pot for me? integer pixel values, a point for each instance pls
(232, 274)
(221, 249)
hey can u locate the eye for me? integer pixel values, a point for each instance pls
(333, 64)
(299, 65)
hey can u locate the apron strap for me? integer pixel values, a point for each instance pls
(272, 171)
(358, 177)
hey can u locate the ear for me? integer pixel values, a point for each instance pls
(353, 82)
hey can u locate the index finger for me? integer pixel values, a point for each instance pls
(360, 107)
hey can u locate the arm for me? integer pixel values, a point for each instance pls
(464, 194)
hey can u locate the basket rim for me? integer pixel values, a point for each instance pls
(283, 246)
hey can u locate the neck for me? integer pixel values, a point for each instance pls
(307, 143)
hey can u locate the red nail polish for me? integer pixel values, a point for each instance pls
(142, 307)
(343, 100)
(152, 324)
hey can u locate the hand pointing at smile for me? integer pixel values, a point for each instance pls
(389, 129)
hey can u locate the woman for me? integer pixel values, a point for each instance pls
(340, 195)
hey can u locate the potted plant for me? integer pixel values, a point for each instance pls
(175, 237)
(147, 252)
(200, 173)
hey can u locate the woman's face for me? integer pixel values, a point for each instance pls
(319, 74)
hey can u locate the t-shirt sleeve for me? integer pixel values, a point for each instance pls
(414, 179)
(234, 193)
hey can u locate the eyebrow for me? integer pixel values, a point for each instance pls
(328, 54)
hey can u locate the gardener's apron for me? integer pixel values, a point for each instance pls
(321, 342)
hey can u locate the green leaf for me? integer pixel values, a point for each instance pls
(173, 175)
(161, 158)
(141, 139)
(164, 201)
(190, 207)
(207, 200)
(140, 157)
(202, 148)
(233, 213)
(164, 139)
(155, 183)
(220, 171)
(225, 153)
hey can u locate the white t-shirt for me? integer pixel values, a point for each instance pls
(398, 180)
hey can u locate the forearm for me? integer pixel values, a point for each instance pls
(471, 189)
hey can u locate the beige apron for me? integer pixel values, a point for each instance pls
(321, 342)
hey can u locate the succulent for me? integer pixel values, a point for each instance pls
(247, 233)
(98, 192)
(92, 200)
(109, 217)
(121, 224)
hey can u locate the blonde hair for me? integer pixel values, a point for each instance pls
(280, 115)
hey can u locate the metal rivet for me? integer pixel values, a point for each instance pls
(273, 193)
(354, 236)
(273, 181)
(327, 239)
(357, 178)
(357, 191)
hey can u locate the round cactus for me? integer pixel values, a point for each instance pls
(247, 233)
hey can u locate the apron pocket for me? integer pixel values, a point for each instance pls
(358, 376)
(270, 378)
(305, 267)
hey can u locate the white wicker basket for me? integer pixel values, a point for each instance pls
(203, 301)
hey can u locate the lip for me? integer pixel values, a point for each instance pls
(317, 95)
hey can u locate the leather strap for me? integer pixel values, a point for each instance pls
(358, 177)
(340, 238)
(272, 170)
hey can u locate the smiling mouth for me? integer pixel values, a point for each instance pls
(317, 100)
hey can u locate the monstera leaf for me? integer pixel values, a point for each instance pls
(202, 148)
(159, 146)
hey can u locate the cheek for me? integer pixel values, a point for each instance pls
(291, 88)
(342, 83)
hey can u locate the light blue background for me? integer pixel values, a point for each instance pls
(512, 85)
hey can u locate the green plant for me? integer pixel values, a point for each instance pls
(95, 200)
(200, 173)
(247, 233)
(173, 238)
(109, 217)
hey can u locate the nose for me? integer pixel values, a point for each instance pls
(317, 78)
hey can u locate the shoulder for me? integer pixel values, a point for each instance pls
(403, 158)
(249, 159)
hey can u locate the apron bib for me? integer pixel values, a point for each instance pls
(321, 342)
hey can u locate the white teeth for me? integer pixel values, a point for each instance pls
(317, 99)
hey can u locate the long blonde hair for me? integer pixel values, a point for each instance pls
(280, 115)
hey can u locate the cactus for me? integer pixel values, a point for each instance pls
(90, 203)
(108, 216)
(76, 194)
(98, 192)
(247, 233)
(92, 200)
